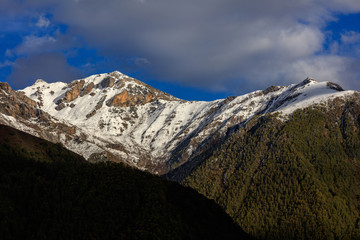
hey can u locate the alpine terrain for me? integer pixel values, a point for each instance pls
(283, 162)
(113, 116)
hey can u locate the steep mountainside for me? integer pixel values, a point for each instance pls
(22, 113)
(117, 117)
(48, 192)
(293, 178)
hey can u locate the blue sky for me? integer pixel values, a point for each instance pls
(195, 50)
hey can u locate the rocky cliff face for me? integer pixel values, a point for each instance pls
(17, 104)
(126, 99)
(21, 112)
(74, 90)
(123, 119)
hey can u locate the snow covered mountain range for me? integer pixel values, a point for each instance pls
(115, 117)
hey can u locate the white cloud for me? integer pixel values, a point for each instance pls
(211, 43)
(348, 45)
(43, 22)
(6, 63)
(141, 62)
(34, 44)
(344, 6)
(350, 37)
(324, 68)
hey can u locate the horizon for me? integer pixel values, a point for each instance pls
(205, 50)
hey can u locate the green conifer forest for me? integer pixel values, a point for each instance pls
(290, 178)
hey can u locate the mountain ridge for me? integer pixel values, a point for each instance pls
(115, 117)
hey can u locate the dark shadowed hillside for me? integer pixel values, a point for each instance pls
(64, 197)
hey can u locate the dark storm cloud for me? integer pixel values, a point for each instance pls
(49, 67)
(216, 44)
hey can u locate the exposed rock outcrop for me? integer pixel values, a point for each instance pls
(75, 90)
(87, 89)
(6, 87)
(335, 86)
(126, 99)
(32, 119)
(97, 107)
(108, 82)
(60, 106)
(17, 103)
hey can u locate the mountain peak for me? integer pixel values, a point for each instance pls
(39, 81)
(329, 85)
(85, 97)
(303, 94)
(310, 79)
(304, 83)
(118, 89)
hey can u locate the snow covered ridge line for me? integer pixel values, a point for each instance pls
(152, 130)
(304, 94)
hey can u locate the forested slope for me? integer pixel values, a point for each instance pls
(295, 178)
